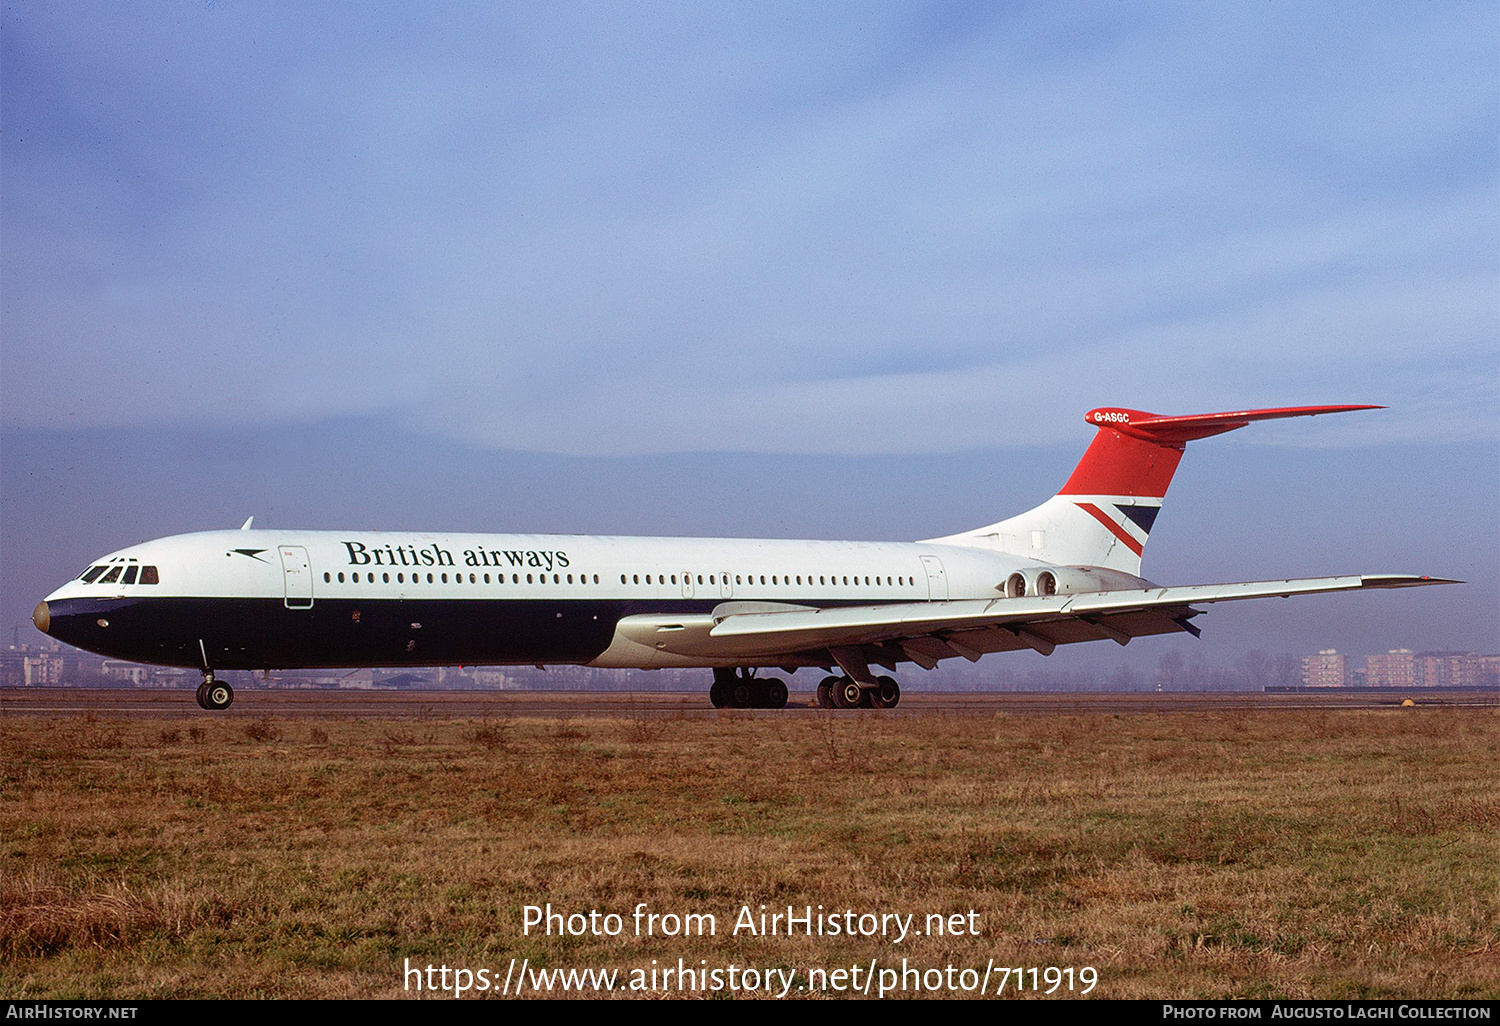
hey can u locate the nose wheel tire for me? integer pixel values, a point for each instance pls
(215, 695)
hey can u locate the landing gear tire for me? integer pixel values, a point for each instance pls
(740, 689)
(825, 692)
(213, 694)
(888, 695)
(218, 696)
(847, 694)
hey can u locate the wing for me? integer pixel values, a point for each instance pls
(925, 632)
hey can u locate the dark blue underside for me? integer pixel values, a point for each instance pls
(255, 634)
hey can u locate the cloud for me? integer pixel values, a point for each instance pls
(600, 230)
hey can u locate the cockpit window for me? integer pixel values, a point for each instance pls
(148, 575)
(89, 574)
(112, 576)
(130, 572)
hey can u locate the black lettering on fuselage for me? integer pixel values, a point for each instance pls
(361, 554)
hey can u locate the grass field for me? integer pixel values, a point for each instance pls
(1319, 854)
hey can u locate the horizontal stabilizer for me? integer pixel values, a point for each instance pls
(1178, 430)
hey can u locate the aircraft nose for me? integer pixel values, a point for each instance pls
(42, 617)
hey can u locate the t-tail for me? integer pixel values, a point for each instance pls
(1104, 513)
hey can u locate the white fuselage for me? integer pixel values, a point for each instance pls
(481, 598)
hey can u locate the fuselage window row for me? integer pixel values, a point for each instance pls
(149, 575)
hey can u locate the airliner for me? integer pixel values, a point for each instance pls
(1067, 571)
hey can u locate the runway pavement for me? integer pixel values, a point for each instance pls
(380, 704)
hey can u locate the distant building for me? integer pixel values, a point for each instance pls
(43, 669)
(127, 673)
(1396, 669)
(1328, 669)
(22, 666)
(1447, 669)
(1489, 671)
(491, 677)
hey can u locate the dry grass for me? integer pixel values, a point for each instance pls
(1333, 855)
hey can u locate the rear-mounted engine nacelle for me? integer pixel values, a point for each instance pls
(1068, 580)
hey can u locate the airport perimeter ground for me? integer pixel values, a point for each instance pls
(159, 851)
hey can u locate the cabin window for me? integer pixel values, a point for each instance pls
(327, 579)
(148, 575)
(429, 578)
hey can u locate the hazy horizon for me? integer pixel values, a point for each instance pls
(770, 270)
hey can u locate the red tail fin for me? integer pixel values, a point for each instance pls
(1136, 453)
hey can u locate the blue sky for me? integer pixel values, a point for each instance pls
(815, 231)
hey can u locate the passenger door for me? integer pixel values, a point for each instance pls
(296, 574)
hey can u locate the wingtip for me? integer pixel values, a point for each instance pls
(1404, 580)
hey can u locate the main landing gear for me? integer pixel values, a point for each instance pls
(743, 690)
(214, 694)
(848, 693)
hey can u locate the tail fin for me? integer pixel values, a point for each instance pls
(1104, 513)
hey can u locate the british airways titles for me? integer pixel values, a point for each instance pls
(361, 554)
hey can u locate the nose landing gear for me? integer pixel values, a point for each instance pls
(214, 694)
